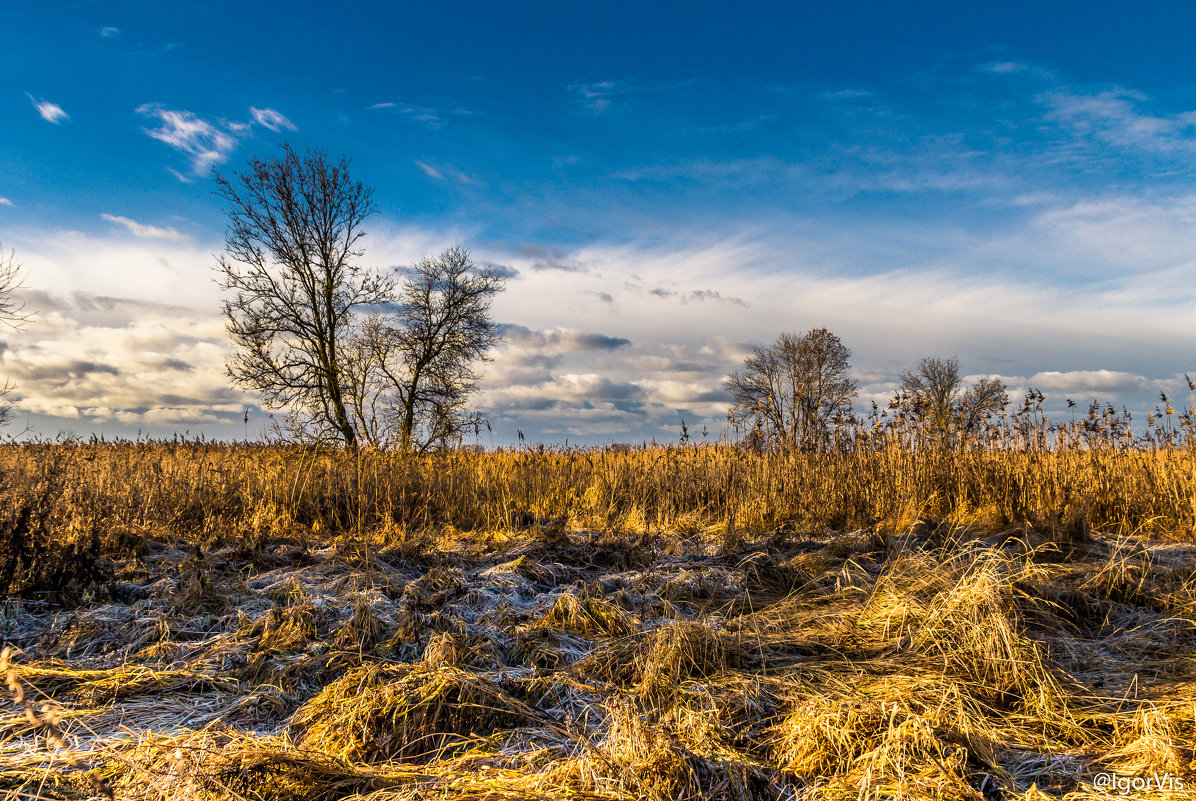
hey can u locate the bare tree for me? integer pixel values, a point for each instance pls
(12, 314)
(415, 368)
(934, 391)
(292, 244)
(794, 387)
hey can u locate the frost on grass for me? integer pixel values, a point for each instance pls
(859, 668)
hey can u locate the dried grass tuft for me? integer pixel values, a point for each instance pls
(588, 616)
(381, 712)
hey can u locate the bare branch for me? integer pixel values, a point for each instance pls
(12, 277)
(12, 314)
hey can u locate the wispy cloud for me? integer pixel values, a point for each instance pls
(50, 112)
(6, 202)
(540, 258)
(1016, 70)
(1074, 118)
(598, 96)
(269, 118)
(433, 117)
(685, 296)
(109, 32)
(430, 171)
(1027, 130)
(206, 142)
(1005, 67)
(440, 172)
(1113, 116)
(142, 231)
(1106, 238)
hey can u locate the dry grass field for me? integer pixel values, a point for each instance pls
(1013, 619)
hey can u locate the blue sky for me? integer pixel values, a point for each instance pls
(670, 183)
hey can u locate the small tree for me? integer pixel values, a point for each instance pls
(415, 368)
(794, 387)
(12, 314)
(294, 224)
(934, 391)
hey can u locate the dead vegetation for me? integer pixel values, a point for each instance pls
(699, 623)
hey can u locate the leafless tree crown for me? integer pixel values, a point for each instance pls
(416, 367)
(290, 266)
(934, 390)
(794, 387)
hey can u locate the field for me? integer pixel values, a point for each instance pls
(205, 621)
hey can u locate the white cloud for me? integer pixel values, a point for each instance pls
(433, 117)
(207, 143)
(1005, 67)
(1102, 382)
(109, 32)
(157, 365)
(160, 273)
(539, 258)
(596, 96)
(1137, 392)
(186, 179)
(992, 319)
(1112, 116)
(1101, 291)
(50, 112)
(440, 172)
(1018, 71)
(269, 118)
(430, 171)
(130, 336)
(6, 202)
(142, 231)
(1115, 237)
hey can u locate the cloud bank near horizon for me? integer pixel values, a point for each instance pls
(131, 337)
